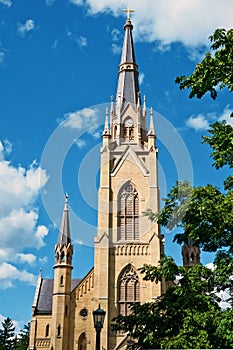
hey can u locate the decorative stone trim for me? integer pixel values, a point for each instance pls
(85, 286)
(42, 342)
(132, 249)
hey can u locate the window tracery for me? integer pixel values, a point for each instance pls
(128, 213)
(128, 290)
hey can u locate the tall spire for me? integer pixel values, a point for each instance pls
(128, 85)
(64, 234)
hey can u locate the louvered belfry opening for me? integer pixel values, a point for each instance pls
(128, 213)
(128, 290)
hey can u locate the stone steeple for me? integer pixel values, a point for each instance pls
(128, 116)
(128, 85)
(64, 233)
(62, 284)
(126, 239)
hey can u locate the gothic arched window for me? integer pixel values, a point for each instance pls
(82, 342)
(128, 213)
(128, 290)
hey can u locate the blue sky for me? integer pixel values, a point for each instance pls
(58, 68)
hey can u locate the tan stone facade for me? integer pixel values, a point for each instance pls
(62, 310)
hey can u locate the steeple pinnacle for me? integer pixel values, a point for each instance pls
(106, 129)
(64, 234)
(128, 85)
(151, 131)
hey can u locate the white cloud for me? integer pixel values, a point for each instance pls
(19, 230)
(80, 40)
(55, 43)
(190, 22)
(226, 115)
(202, 122)
(43, 260)
(80, 143)
(2, 56)
(28, 26)
(19, 186)
(49, 2)
(26, 258)
(7, 3)
(77, 2)
(116, 49)
(116, 41)
(9, 274)
(199, 122)
(19, 189)
(80, 119)
(141, 78)
(5, 148)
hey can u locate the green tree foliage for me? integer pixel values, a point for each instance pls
(216, 68)
(187, 316)
(205, 214)
(7, 335)
(9, 340)
(221, 142)
(23, 338)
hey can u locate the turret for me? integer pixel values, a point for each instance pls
(191, 254)
(62, 284)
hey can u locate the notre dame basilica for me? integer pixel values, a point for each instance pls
(125, 240)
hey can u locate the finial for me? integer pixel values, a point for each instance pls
(139, 100)
(67, 196)
(106, 130)
(151, 129)
(128, 10)
(144, 102)
(112, 105)
(40, 272)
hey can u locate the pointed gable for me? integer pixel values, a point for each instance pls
(130, 153)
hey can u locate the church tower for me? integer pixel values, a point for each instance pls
(125, 240)
(128, 186)
(62, 285)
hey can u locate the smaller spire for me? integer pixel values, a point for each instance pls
(144, 103)
(106, 128)
(64, 234)
(151, 131)
(112, 106)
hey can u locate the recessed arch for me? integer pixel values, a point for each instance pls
(82, 341)
(128, 290)
(128, 213)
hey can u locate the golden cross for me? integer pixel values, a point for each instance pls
(128, 10)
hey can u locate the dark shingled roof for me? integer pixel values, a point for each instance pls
(128, 85)
(44, 304)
